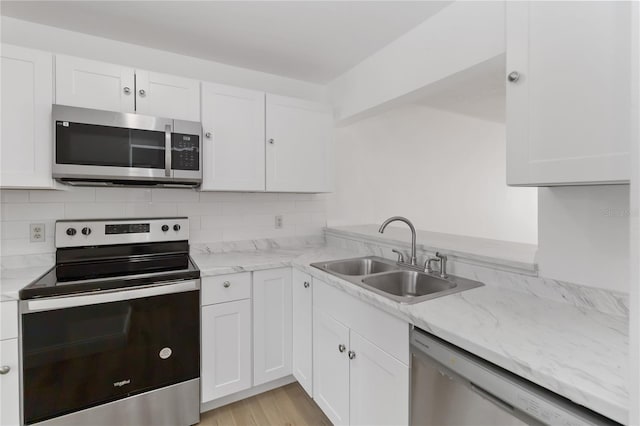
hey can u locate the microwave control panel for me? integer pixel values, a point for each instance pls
(185, 152)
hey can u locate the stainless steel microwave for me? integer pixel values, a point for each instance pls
(95, 147)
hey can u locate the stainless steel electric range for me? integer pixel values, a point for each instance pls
(111, 334)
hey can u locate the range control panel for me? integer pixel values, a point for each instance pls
(80, 233)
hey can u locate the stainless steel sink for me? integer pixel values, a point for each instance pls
(408, 283)
(359, 266)
(396, 282)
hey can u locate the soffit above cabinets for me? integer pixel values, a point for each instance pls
(313, 41)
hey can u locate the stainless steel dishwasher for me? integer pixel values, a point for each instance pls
(450, 386)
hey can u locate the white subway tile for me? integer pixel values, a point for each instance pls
(311, 206)
(302, 230)
(198, 209)
(233, 197)
(15, 247)
(291, 196)
(65, 195)
(151, 209)
(127, 195)
(94, 210)
(221, 222)
(269, 207)
(28, 211)
(194, 223)
(174, 195)
(21, 230)
(206, 236)
(14, 196)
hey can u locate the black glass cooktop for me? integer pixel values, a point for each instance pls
(80, 270)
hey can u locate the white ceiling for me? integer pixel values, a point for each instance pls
(307, 40)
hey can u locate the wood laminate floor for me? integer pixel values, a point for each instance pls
(288, 405)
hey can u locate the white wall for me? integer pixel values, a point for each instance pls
(584, 235)
(444, 171)
(213, 217)
(56, 40)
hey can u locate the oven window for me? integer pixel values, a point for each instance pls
(93, 145)
(79, 357)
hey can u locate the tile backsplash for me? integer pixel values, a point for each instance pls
(214, 216)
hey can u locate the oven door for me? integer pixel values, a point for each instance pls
(94, 144)
(85, 350)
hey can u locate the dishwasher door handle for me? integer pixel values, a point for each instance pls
(491, 397)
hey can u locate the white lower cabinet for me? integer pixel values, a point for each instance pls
(302, 330)
(272, 333)
(9, 383)
(226, 349)
(358, 380)
(331, 367)
(379, 385)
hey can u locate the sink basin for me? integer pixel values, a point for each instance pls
(360, 266)
(408, 283)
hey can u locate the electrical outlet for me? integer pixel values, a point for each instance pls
(37, 233)
(279, 222)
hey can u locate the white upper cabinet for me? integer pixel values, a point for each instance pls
(92, 84)
(299, 145)
(272, 350)
(99, 85)
(568, 92)
(233, 145)
(302, 330)
(168, 96)
(27, 95)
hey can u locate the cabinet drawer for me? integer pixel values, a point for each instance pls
(9, 319)
(226, 288)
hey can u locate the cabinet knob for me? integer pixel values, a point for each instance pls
(141, 92)
(342, 348)
(126, 90)
(306, 284)
(226, 284)
(352, 354)
(5, 369)
(208, 135)
(272, 141)
(513, 76)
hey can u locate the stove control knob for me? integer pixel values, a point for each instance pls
(176, 227)
(71, 232)
(86, 231)
(165, 228)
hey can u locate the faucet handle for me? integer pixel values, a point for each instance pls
(400, 255)
(443, 264)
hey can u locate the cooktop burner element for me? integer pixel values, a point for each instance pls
(96, 255)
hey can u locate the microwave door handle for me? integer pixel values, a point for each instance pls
(167, 150)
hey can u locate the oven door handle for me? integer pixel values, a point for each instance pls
(49, 304)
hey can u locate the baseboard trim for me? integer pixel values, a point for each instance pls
(238, 396)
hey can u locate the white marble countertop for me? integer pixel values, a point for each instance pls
(578, 353)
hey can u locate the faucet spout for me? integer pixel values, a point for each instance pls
(413, 233)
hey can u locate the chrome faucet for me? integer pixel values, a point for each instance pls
(413, 236)
(442, 260)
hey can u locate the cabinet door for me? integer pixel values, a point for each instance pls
(226, 349)
(379, 392)
(271, 325)
(233, 149)
(299, 142)
(9, 384)
(27, 94)
(302, 330)
(331, 367)
(568, 112)
(167, 96)
(92, 84)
